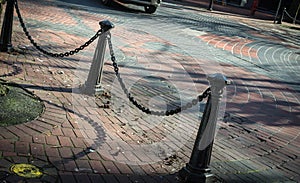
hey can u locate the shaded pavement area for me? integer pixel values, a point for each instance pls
(81, 138)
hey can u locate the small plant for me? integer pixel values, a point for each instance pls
(2, 2)
(3, 90)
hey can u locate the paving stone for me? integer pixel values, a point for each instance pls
(124, 178)
(65, 141)
(8, 135)
(123, 168)
(109, 178)
(6, 145)
(110, 167)
(66, 152)
(95, 178)
(52, 140)
(97, 167)
(39, 139)
(22, 147)
(52, 151)
(66, 177)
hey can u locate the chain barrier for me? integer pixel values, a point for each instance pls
(65, 54)
(293, 18)
(144, 109)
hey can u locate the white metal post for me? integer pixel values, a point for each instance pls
(93, 82)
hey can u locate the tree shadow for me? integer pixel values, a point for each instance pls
(161, 178)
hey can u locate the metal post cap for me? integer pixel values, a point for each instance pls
(106, 25)
(218, 77)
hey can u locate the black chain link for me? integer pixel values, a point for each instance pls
(146, 110)
(287, 13)
(65, 54)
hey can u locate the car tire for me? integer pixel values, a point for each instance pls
(150, 9)
(106, 2)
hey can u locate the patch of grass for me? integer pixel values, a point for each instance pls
(3, 90)
(1, 4)
(18, 106)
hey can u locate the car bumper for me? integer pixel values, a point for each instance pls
(155, 3)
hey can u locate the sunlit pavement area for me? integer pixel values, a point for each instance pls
(162, 57)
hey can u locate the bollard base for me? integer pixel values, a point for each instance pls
(99, 90)
(190, 175)
(91, 91)
(6, 48)
(87, 89)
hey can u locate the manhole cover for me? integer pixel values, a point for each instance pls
(26, 170)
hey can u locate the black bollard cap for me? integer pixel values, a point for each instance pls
(106, 25)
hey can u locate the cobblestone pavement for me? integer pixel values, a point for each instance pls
(164, 60)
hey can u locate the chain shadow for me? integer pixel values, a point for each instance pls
(15, 69)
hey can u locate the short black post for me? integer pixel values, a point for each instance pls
(5, 39)
(211, 4)
(278, 8)
(197, 170)
(281, 17)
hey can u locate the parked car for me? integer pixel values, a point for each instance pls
(149, 5)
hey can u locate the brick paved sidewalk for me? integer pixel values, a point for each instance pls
(251, 146)
(261, 20)
(218, 8)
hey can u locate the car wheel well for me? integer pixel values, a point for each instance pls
(150, 9)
